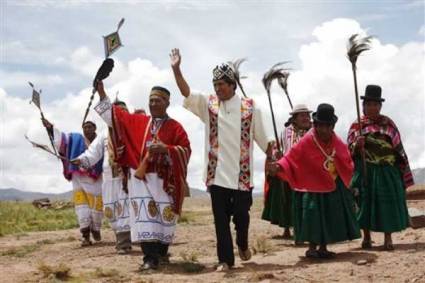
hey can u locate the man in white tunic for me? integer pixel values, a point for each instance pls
(232, 124)
(114, 188)
(86, 183)
(157, 150)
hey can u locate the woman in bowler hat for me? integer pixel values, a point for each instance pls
(382, 184)
(319, 168)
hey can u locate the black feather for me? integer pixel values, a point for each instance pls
(276, 72)
(235, 65)
(356, 45)
(104, 71)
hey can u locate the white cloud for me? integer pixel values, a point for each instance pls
(14, 79)
(324, 76)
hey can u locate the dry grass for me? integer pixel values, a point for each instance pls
(28, 249)
(60, 271)
(262, 245)
(20, 251)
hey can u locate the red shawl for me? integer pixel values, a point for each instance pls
(302, 167)
(130, 134)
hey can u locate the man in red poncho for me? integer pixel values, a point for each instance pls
(157, 150)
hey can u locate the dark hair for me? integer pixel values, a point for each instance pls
(290, 121)
(119, 102)
(315, 123)
(160, 88)
(89, 122)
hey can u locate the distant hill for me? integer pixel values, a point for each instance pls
(15, 194)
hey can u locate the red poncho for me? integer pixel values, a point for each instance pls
(302, 167)
(130, 134)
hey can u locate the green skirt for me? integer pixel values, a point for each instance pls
(382, 201)
(278, 206)
(324, 218)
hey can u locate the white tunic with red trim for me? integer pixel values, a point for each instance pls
(231, 128)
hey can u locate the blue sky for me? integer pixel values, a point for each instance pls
(58, 46)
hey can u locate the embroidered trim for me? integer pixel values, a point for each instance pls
(244, 162)
(103, 106)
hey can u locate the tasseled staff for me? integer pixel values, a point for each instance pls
(111, 43)
(37, 102)
(356, 45)
(281, 74)
(45, 148)
(235, 67)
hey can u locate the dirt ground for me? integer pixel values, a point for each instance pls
(39, 257)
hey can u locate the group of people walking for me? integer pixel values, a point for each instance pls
(135, 173)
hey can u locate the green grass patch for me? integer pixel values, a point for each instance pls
(21, 217)
(194, 217)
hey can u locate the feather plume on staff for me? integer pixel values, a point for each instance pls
(35, 99)
(235, 65)
(276, 72)
(357, 45)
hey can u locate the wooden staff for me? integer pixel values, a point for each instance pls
(356, 45)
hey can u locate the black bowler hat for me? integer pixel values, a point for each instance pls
(325, 113)
(373, 92)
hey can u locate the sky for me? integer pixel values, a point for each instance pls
(57, 45)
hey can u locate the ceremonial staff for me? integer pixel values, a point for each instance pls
(37, 102)
(111, 43)
(281, 74)
(356, 45)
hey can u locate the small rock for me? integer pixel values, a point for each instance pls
(352, 272)
(361, 262)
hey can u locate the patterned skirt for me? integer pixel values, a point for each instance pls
(324, 218)
(382, 199)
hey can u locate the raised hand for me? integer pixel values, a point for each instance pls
(175, 58)
(100, 89)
